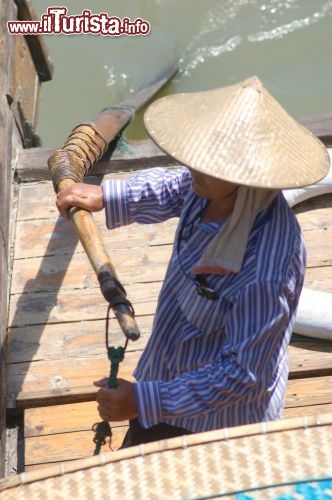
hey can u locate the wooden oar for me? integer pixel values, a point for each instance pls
(83, 148)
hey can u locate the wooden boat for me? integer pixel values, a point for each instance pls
(57, 314)
(53, 335)
(24, 65)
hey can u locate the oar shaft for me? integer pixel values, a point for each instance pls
(92, 242)
(68, 166)
(84, 147)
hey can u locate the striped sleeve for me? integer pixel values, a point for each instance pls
(149, 403)
(116, 209)
(153, 195)
(245, 369)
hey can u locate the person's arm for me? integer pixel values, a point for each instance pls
(151, 196)
(255, 344)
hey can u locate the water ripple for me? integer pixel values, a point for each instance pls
(280, 31)
(230, 23)
(203, 53)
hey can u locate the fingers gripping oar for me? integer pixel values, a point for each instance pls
(83, 148)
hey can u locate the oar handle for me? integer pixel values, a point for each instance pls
(110, 286)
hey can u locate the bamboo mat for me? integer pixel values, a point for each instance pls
(274, 460)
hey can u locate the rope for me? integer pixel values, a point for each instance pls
(83, 148)
(115, 355)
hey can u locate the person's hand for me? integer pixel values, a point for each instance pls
(116, 404)
(86, 196)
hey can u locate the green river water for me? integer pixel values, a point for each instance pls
(287, 43)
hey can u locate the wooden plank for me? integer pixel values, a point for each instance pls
(37, 199)
(319, 278)
(301, 411)
(63, 432)
(33, 309)
(44, 237)
(319, 244)
(59, 419)
(315, 213)
(86, 338)
(6, 45)
(25, 91)
(7, 11)
(310, 391)
(4, 289)
(3, 403)
(38, 237)
(38, 49)
(314, 216)
(35, 445)
(68, 429)
(70, 340)
(129, 155)
(64, 305)
(63, 447)
(70, 380)
(71, 330)
(310, 358)
(59, 381)
(39, 467)
(319, 248)
(144, 265)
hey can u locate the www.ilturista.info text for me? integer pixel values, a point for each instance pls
(56, 21)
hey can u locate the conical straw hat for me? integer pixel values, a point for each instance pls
(240, 134)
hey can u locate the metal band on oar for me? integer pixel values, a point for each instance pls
(84, 147)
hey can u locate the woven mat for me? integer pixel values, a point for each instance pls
(261, 461)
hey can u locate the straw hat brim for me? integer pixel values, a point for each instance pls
(240, 134)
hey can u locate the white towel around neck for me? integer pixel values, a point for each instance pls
(225, 252)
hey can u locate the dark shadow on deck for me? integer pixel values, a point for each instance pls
(41, 295)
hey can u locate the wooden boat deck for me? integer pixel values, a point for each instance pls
(24, 65)
(56, 343)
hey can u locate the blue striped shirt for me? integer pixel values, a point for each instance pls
(210, 364)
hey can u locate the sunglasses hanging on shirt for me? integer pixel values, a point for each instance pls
(202, 286)
(203, 289)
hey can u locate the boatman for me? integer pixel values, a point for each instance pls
(217, 354)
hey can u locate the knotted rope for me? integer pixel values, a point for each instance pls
(116, 356)
(87, 144)
(83, 148)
